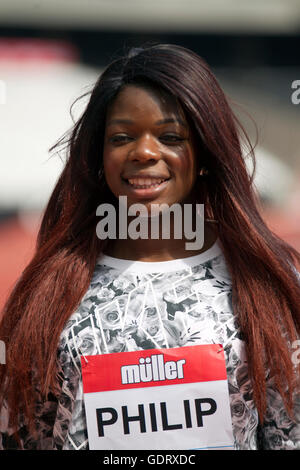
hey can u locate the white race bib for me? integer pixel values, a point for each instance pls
(158, 399)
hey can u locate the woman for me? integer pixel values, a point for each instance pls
(158, 130)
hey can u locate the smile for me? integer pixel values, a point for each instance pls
(145, 183)
(146, 187)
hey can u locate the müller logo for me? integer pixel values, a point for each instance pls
(152, 368)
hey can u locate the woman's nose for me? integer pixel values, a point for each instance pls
(145, 148)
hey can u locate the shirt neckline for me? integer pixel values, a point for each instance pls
(160, 266)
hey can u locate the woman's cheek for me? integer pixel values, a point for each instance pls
(110, 165)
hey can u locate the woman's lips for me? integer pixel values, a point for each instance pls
(146, 187)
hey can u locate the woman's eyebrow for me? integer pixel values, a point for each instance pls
(171, 120)
(158, 123)
(119, 121)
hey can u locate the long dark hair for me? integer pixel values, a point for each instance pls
(265, 292)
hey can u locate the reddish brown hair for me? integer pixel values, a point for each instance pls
(265, 290)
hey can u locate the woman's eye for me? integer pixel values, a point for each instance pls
(172, 138)
(119, 139)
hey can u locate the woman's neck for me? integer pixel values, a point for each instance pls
(158, 250)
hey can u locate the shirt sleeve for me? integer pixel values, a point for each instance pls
(52, 416)
(279, 431)
(45, 415)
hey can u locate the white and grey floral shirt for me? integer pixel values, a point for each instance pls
(131, 306)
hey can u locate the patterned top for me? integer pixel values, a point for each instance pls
(133, 305)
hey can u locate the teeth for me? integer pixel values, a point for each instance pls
(145, 181)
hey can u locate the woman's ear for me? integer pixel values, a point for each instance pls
(203, 171)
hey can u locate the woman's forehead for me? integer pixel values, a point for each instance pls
(140, 95)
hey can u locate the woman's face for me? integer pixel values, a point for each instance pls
(149, 154)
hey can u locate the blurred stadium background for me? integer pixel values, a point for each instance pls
(51, 52)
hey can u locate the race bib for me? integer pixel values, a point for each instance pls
(158, 399)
